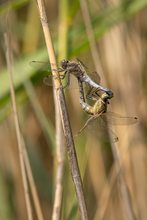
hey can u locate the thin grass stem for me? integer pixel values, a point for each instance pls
(107, 193)
(46, 126)
(60, 148)
(91, 37)
(25, 154)
(17, 127)
(93, 47)
(127, 204)
(33, 188)
(72, 157)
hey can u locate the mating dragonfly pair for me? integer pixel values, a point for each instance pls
(97, 93)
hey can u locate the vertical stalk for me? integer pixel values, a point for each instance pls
(95, 56)
(33, 188)
(90, 35)
(17, 128)
(60, 148)
(72, 157)
(128, 209)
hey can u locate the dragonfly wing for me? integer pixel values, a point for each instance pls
(95, 127)
(98, 128)
(103, 131)
(70, 83)
(116, 119)
(81, 63)
(90, 91)
(45, 67)
(95, 77)
(48, 80)
(40, 66)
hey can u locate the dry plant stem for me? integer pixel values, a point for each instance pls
(17, 127)
(45, 125)
(91, 38)
(64, 115)
(60, 154)
(31, 181)
(32, 184)
(58, 191)
(60, 146)
(95, 56)
(106, 195)
(123, 186)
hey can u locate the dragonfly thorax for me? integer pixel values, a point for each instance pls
(100, 105)
(72, 67)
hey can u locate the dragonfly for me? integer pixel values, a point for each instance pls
(77, 69)
(99, 110)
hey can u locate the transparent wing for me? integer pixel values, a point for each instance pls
(40, 65)
(91, 93)
(99, 126)
(48, 80)
(93, 75)
(99, 129)
(82, 65)
(44, 67)
(116, 119)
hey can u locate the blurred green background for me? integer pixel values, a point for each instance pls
(120, 32)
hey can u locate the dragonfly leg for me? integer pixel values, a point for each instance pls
(68, 81)
(63, 76)
(57, 70)
(88, 121)
(93, 94)
(60, 69)
(96, 92)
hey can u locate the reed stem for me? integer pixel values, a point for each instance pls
(72, 157)
(60, 145)
(17, 127)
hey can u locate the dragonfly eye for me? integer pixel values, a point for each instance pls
(110, 94)
(64, 64)
(105, 97)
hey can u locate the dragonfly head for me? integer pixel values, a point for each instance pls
(105, 96)
(110, 94)
(64, 64)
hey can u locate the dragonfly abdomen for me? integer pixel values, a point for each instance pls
(87, 108)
